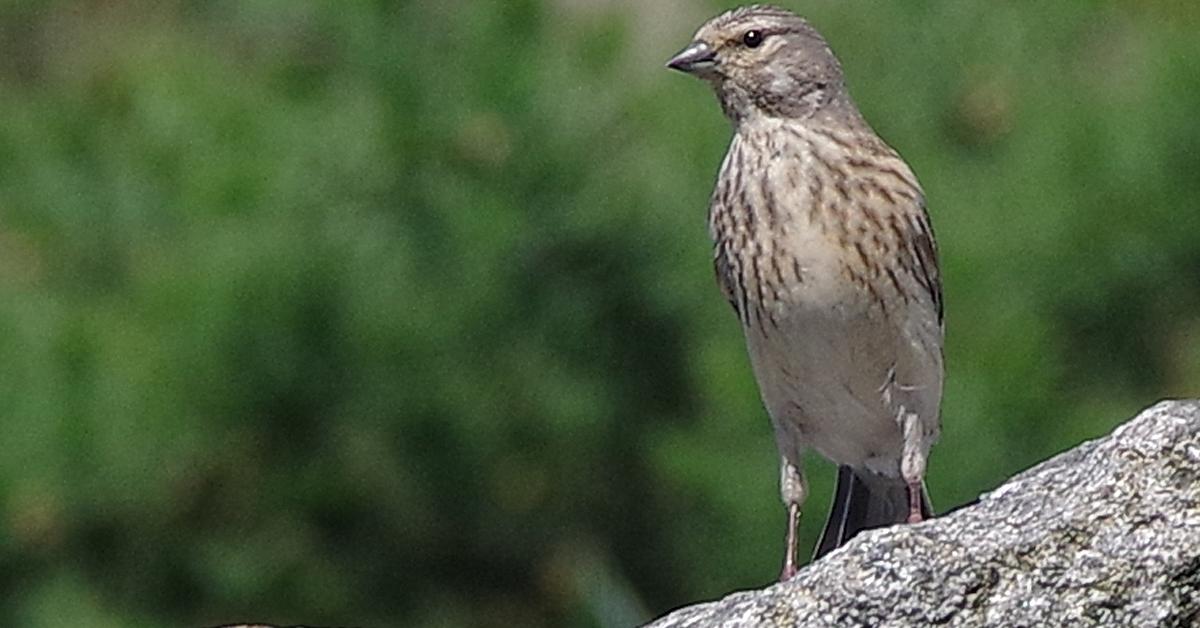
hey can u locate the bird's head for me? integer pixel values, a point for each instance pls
(763, 60)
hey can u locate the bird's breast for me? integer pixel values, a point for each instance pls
(796, 226)
(772, 253)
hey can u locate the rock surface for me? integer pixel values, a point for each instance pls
(1107, 534)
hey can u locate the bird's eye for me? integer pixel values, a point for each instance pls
(753, 39)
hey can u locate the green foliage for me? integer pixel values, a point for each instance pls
(402, 313)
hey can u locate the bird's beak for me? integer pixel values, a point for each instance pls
(697, 57)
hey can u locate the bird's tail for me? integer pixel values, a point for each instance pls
(865, 500)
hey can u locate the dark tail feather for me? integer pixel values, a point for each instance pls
(864, 500)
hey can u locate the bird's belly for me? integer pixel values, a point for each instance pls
(822, 365)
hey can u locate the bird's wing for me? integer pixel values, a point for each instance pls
(924, 258)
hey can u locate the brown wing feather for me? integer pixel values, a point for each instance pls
(925, 266)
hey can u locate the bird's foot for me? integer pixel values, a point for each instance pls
(789, 572)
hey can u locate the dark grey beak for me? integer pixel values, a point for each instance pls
(696, 57)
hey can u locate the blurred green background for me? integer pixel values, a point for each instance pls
(402, 313)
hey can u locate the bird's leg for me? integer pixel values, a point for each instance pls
(912, 463)
(789, 556)
(793, 488)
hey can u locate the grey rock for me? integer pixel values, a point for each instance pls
(1107, 534)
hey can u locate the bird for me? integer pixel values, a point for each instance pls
(823, 246)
